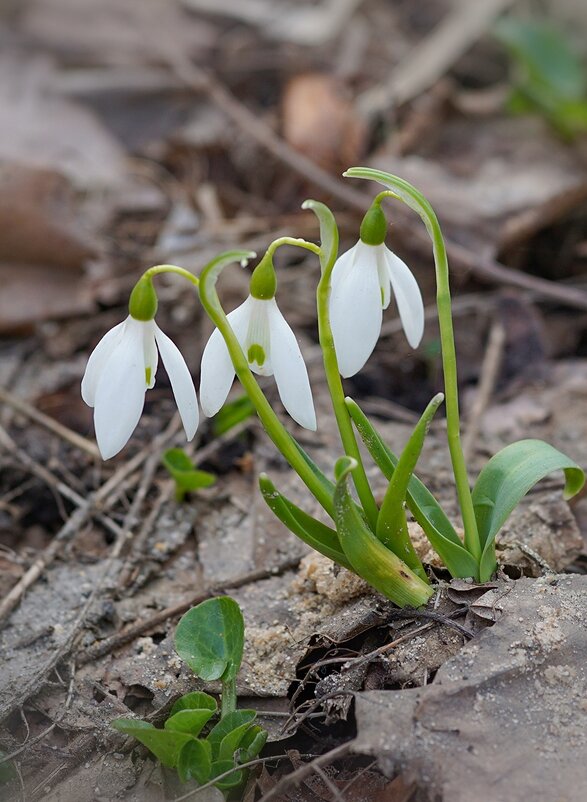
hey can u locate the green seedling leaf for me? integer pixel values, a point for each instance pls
(313, 532)
(190, 721)
(238, 722)
(164, 744)
(506, 479)
(392, 528)
(543, 55)
(549, 76)
(210, 639)
(195, 761)
(252, 743)
(328, 233)
(230, 781)
(422, 504)
(369, 557)
(232, 414)
(187, 477)
(196, 700)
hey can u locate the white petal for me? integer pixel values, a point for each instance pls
(342, 266)
(257, 334)
(290, 371)
(97, 360)
(150, 352)
(217, 371)
(384, 279)
(408, 298)
(181, 382)
(120, 394)
(355, 311)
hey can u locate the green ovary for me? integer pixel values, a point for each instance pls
(256, 354)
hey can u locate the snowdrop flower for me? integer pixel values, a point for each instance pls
(361, 284)
(270, 347)
(122, 368)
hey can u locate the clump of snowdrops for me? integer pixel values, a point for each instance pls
(253, 340)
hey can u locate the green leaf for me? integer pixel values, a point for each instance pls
(391, 521)
(506, 479)
(236, 722)
(164, 744)
(543, 55)
(423, 506)
(187, 477)
(328, 234)
(369, 557)
(210, 639)
(190, 721)
(311, 531)
(195, 760)
(232, 414)
(252, 743)
(549, 76)
(196, 700)
(232, 780)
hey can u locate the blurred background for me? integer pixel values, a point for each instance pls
(137, 132)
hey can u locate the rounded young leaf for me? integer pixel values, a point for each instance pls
(190, 721)
(195, 760)
(196, 700)
(210, 639)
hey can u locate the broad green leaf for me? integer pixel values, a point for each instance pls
(370, 559)
(544, 55)
(210, 639)
(195, 760)
(506, 479)
(232, 780)
(238, 720)
(231, 742)
(252, 743)
(190, 721)
(549, 76)
(328, 233)
(164, 744)
(392, 528)
(196, 700)
(187, 477)
(313, 532)
(423, 506)
(232, 414)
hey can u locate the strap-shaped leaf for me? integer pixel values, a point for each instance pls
(195, 760)
(311, 531)
(370, 559)
(506, 479)
(164, 744)
(328, 233)
(210, 638)
(423, 506)
(392, 529)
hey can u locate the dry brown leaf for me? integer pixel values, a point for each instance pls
(319, 120)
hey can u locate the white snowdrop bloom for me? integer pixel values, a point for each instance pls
(361, 284)
(271, 349)
(120, 370)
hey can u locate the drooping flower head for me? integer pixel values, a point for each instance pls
(270, 347)
(122, 368)
(361, 284)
